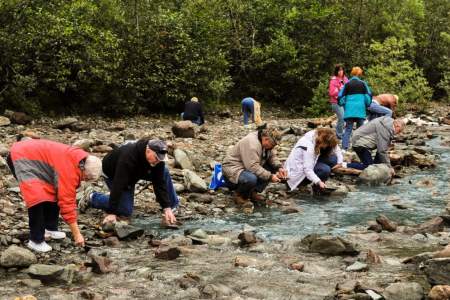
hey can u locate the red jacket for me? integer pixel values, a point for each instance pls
(48, 171)
(334, 87)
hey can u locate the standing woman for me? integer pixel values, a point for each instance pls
(337, 82)
(313, 158)
(355, 97)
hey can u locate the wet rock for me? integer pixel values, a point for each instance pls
(357, 267)
(439, 292)
(374, 226)
(247, 238)
(17, 257)
(184, 129)
(373, 258)
(386, 224)
(46, 273)
(437, 271)
(193, 182)
(376, 174)
(217, 291)
(182, 160)
(291, 210)
(298, 266)
(432, 226)
(66, 122)
(20, 118)
(419, 258)
(189, 280)
(329, 245)
(201, 198)
(403, 291)
(428, 183)
(125, 231)
(422, 161)
(167, 253)
(31, 283)
(245, 261)
(101, 264)
(112, 242)
(4, 121)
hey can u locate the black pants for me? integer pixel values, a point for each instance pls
(42, 216)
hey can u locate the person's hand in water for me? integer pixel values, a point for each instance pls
(322, 185)
(169, 217)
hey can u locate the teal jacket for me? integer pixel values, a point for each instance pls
(355, 97)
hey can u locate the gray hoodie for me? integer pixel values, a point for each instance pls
(376, 134)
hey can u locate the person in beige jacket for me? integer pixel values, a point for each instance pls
(252, 163)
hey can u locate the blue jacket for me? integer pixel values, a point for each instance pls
(355, 97)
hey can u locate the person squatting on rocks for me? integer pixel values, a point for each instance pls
(123, 168)
(49, 174)
(355, 97)
(193, 111)
(337, 82)
(251, 107)
(377, 134)
(312, 159)
(382, 105)
(251, 164)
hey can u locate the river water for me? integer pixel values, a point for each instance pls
(337, 214)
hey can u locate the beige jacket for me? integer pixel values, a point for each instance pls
(249, 155)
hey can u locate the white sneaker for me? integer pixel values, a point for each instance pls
(39, 247)
(54, 235)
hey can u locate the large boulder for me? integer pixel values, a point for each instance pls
(403, 291)
(437, 271)
(193, 182)
(4, 121)
(329, 245)
(182, 160)
(53, 273)
(376, 174)
(184, 129)
(21, 118)
(17, 257)
(125, 231)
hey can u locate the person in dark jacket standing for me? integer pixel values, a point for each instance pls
(193, 112)
(355, 97)
(123, 168)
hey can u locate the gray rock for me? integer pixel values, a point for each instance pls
(46, 273)
(66, 122)
(32, 283)
(16, 256)
(193, 182)
(247, 238)
(386, 224)
(179, 187)
(329, 245)
(357, 267)
(124, 231)
(403, 291)
(167, 253)
(437, 271)
(4, 121)
(184, 129)
(376, 174)
(182, 160)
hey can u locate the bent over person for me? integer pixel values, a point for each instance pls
(251, 164)
(123, 168)
(49, 174)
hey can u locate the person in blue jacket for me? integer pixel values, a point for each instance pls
(355, 97)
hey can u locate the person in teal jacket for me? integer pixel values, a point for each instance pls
(355, 97)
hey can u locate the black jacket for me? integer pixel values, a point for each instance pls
(126, 165)
(192, 111)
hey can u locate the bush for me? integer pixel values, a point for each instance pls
(320, 105)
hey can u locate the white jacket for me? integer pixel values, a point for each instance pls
(300, 163)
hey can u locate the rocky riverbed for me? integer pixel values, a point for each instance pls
(394, 258)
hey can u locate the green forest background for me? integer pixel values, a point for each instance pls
(143, 56)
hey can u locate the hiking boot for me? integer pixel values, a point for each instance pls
(54, 235)
(86, 198)
(39, 247)
(257, 197)
(240, 200)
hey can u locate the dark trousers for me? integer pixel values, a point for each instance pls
(323, 168)
(249, 182)
(365, 157)
(42, 216)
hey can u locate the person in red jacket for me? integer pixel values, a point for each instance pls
(337, 81)
(49, 174)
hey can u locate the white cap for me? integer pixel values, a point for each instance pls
(92, 168)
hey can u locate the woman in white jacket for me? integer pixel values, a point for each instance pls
(312, 158)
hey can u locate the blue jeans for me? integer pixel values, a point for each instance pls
(101, 201)
(197, 121)
(248, 109)
(339, 111)
(348, 130)
(365, 157)
(249, 182)
(323, 168)
(376, 110)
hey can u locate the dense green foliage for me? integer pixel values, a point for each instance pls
(129, 56)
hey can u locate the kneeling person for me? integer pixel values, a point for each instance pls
(252, 163)
(312, 159)
(123, 168)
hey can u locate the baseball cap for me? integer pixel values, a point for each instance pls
(273, 134)
(160, 148)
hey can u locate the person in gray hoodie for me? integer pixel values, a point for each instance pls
(377, 134)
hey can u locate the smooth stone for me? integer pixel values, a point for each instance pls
(16, 256)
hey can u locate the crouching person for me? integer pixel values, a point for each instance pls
(123, 168)
(251, 164)
(49, 174)
(377, 134)
(313, 158)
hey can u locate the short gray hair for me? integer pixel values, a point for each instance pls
(92, 168)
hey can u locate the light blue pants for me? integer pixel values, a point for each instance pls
(339, 111)
(376, 110)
